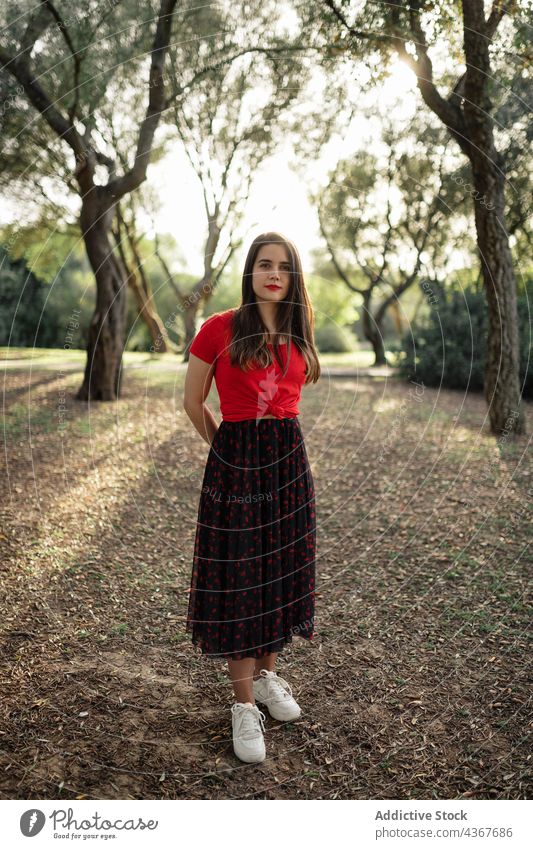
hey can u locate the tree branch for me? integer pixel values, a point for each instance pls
(156, 104)
(19, 69)
(340, 271)
(74, 53)
(224, 59)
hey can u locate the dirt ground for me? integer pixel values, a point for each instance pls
(417, 682)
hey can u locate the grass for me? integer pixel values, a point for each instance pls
(18, 418)
(363, 357)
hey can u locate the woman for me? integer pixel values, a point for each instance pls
(253, 575)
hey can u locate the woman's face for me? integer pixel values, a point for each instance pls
(271, 275)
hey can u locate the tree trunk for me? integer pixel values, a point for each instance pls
(161, 342)
(501, 381)
(105, 344)
(189, 323)
(141, 288)
(373, 331)
(190, 311)
(205, 285)
(396, 314)
(379, 348)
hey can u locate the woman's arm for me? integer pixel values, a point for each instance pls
(198, 381)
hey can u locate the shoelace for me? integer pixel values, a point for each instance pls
(279, 685)
(248, 721)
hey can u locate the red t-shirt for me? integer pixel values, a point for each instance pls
(254, 393)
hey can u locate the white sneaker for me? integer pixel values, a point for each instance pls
(276, 694)
(248, 742)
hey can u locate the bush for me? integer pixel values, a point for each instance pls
(139, 338)
(332, 339)
(35, 313)
(448, 346)
(26, 320)
(524, 329)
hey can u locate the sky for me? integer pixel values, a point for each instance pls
(278, 199)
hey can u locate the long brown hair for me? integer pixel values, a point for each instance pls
(295, 317)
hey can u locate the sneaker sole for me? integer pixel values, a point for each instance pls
(280, 719)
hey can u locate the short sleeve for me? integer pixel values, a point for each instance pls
(205, 343)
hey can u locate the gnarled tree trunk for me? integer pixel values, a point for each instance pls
(105, 344)
(373, 331)
(501, 383)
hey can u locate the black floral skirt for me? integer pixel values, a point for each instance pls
(253, 575)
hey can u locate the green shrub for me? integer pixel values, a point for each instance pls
(332, 339)
(448, 346)
(525, 308)
(139, 339)
(25, 318)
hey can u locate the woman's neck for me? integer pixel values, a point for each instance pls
(268, 313)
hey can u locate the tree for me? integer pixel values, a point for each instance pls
(514, 135)
(382, 221)
(402, 27)
(128, 240)
(66, 115)
(227, 134)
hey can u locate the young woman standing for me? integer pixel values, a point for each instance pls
(253, 574)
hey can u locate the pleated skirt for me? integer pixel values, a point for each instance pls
(253, 573)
